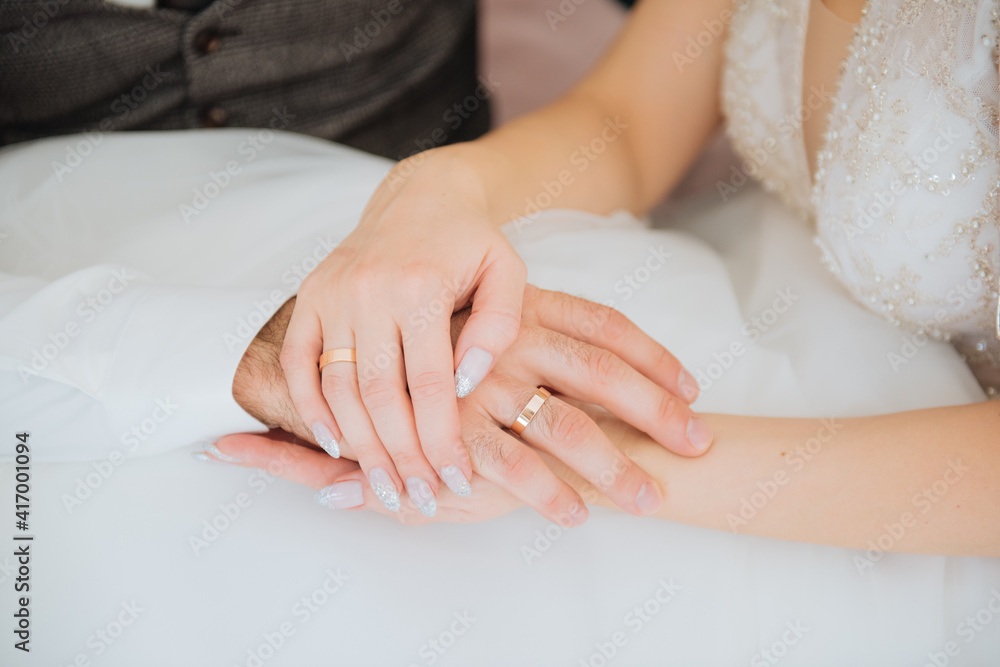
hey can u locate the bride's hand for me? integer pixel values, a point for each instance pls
(424, 248)
(581, 350)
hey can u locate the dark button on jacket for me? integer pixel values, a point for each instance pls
(380, 76)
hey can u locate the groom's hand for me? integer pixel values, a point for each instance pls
(259, 386)
(582, 351)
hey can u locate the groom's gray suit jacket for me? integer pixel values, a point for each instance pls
(384, 76)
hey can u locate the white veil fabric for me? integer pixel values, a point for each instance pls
(281, 581)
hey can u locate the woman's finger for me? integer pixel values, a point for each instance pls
(340, 388)
(282, 455)
(382, 385)
(339, 483)
(490, 501)
(428, 355)
(300, 354)
(571, 435)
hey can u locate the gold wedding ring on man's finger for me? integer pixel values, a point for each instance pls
(530, 410)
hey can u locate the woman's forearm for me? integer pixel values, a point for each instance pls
(623, 136)
(925, 482)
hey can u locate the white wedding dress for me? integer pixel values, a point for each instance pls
(514, 591)
(906, 193)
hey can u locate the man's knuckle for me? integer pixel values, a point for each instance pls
(606, 368)
(663, 358)
(615, 325)
(531, 337)
(669, 409)
(615, 476)
(570, 428)
(567, 350)
(551, 499)
(518, 466)
(484, 447)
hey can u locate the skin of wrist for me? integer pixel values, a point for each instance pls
(478, 169)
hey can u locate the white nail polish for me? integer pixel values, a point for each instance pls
(456, 481)
(210, 448)
(342, 495)
(384, 488)
(203, 457)
(324, 438)
(474, 367)
(421, 495)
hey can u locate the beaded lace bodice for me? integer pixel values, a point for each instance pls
(906, 195)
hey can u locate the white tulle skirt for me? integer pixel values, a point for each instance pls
(739, 296)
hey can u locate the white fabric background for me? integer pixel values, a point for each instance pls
(129, 542)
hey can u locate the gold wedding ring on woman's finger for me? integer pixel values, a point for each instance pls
(530, 410)
(337, 354)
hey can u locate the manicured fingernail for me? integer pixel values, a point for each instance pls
(474, 367)
(342, 495)
(699, 435)
(688, 385)
(324, 438)
(210, 448)
(456, 481)
(649, 499)
(421, 495)
(384, 488)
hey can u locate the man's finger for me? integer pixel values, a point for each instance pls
(573, 437)
(607, 328)
(517, 468)
(598, 376)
